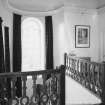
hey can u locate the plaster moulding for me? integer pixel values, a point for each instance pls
(24, 12)
(101, 11)
(79, 10)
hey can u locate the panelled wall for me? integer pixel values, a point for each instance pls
(101, 27)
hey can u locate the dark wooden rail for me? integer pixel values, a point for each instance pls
(89, 74)
(50, 92)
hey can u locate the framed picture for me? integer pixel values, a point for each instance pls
(82, 36)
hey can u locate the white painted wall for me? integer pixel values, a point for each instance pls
(101, 28)
(58, 22)
(76, 16)
(64, 32)
(59, 38)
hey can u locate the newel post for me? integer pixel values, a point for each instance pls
(65, 58)
(62, 84)
(103, 84)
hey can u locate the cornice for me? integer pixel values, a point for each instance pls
(38, 13)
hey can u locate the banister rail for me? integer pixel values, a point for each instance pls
(51, 91)
(18, 74)
(89, 74)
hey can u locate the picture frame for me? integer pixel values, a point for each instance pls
(82, 36)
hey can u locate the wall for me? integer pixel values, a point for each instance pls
(64, 32)
(101, 27)
(59, 38)
(78, 16)
(58, 26)
(7, 20)
(58, 35)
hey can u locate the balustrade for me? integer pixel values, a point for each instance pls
(89, 74)
(48, 93)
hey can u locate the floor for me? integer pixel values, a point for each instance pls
(78, 95)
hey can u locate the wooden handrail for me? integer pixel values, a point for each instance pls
(18, 74)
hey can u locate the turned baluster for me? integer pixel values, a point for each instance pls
(77, 67)
(70, 66)
(88, 75)
(44, 95)
(68, 63)
(65, 60)
(14, 100)
(103, 83)
(53, 83)
(3, 91)
(97, 83)
(73, 72)
(93, 81)
(100, 78)
(81, 71)
(35, 97)
(25, 99)
(54, 90)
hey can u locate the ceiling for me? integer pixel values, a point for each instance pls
(49, 5)
(36, 5)
(92, 4)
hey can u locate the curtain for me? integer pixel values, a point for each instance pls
(7, 59)
(7, 51)
(2, 67)
(1, 49)
(49, 42)
(17, 50)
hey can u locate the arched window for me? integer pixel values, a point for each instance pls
(32, 45)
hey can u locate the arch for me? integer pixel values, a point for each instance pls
(33, 56)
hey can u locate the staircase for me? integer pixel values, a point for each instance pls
(76, 94)
(50, 90)
(85, 81)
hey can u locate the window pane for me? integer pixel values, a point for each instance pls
(31, 45)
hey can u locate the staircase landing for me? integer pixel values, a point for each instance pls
(76, 94)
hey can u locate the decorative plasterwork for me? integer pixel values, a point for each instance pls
(78, 10)
(101, 11)
(27, 12)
